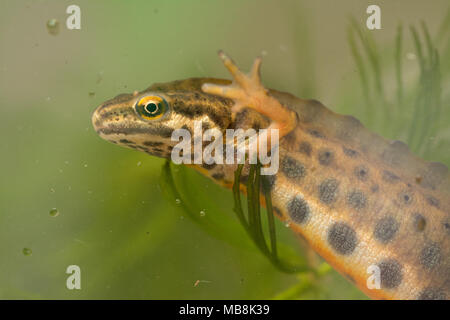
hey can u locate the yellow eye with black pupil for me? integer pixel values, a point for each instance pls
(151, 107)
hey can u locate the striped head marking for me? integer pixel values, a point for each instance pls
(145, 120)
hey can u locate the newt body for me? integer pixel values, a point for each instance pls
(356, 198)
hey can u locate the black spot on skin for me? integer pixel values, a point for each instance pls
(270, 180)
(208, 166)
(405, 197)
(328, 190)
(205, 125)
(433, 201)
(390, 177)
(356, 200)
(430, 256)
(126, 141)
(374, 188)
(256, 125)
(391, 274)
(342, 238)
(244, 120)
(419, 222)
(218, 176)
(292, 168)
(190, 107)
(385, 229)
(305, 148)
(316, 133)
(298, 210)
(432, 294)
(325, 157)
(362, 172)
(290, 139)
(350, 152)
(447, 227)
(153, 143)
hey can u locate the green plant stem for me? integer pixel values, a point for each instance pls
(254, 226)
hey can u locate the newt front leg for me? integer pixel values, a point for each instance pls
(248, 92)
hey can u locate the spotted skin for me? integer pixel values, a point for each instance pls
(342, 238)
(328, 191)
(385, 229)
(391, 273)
(358, 199)
(298, 210)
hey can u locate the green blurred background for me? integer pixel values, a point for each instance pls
(115, 222)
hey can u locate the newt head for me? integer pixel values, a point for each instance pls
(145, 120)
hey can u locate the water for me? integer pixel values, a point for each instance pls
(53, 78)
(54, 212)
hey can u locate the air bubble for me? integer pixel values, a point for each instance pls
(177, 201)
(54, 212)
(53, 27)
(202, 213)
(27, 252)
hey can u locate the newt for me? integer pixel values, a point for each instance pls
(357, 199)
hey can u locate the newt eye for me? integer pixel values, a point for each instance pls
(151, 107)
